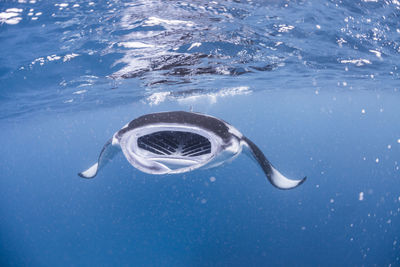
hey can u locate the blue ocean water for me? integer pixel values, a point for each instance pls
(315, 84)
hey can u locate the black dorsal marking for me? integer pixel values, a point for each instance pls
(208, 123)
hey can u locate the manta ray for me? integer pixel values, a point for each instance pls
(178, 142)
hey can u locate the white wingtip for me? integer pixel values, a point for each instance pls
(282, 182)
(91, 172)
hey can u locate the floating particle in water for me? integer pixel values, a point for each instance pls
(314, 82)
(377, 160)
(361, 196)
(351, 225)
(212, 179)
(364, 158)
(203, 201)
(303, 228)
(331, 200)
(363, 111)
(318, 26)
(398, 140)
(389, 146)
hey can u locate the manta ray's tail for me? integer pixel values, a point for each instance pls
(273, 175)
(106, 154)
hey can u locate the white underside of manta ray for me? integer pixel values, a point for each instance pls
(178, 142)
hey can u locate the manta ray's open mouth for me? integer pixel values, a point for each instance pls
(175, 143)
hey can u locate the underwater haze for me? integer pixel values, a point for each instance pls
(315, 84)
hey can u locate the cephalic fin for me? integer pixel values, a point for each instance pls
(107, 153)
(273, 175)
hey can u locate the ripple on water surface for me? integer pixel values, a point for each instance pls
(146, 50)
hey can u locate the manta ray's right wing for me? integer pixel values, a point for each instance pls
(106, 154)
(273, 175)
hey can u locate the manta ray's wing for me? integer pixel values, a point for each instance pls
(273, 175)
(106, 154)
